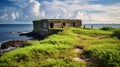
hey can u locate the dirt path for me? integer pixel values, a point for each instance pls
(82, 58)
(101, 37)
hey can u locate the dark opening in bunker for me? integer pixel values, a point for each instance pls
(73, 24)
(51, 25)
(64, 24)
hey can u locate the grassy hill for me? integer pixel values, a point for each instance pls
(59, 50)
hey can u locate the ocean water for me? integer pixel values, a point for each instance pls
(101, 25)
(12, 31)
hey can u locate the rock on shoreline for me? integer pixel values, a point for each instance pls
(11, 45)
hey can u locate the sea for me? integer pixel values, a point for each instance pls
(11, 31)
(101, 25)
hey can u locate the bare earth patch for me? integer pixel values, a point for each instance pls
(101, 37)
(82, 58)
(77, 59)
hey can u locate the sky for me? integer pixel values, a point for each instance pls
(89, 11)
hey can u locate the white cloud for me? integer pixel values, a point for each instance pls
(100, 17)
(33, 8)
(31, 1)
(17, 14)
(43, 14)
(65, 14)
(85, 10)
(58, 15)
(62, 9)
(4, 16)
(28, 10)
(82, 15)
(13, 16)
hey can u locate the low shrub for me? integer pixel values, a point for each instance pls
(106, 28)
(116, 33)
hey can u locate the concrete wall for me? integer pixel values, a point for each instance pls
(40, 25)
(57, 23)
(77, 24)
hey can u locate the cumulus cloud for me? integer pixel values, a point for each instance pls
(43, 14)
(4, 16)
(66, 14)
(13, 16)
(82, 9)
(82, 15)
(32, 9)
(28, 10)
(58, 15)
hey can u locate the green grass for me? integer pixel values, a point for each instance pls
(92, 32)
(57, 50)
(60, 63)
(107, 28)
(104, 52)
(56, 47)
(116, 33)
(105, 55)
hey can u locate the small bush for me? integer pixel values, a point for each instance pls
(116, 33)
(21, 57)
(107, 28)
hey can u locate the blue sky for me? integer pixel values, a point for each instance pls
(90, 11)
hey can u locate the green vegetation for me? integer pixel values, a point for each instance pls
(116, 33)
(54, 51)
(57, 50)
(105, 55)
(103, 50)
(54, 30)
(60, 63)
(107, 28)
(92, 32)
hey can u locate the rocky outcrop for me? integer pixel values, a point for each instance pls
(39, 34)
(11, 45)
(15, 43)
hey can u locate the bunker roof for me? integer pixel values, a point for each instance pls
(58, 20)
